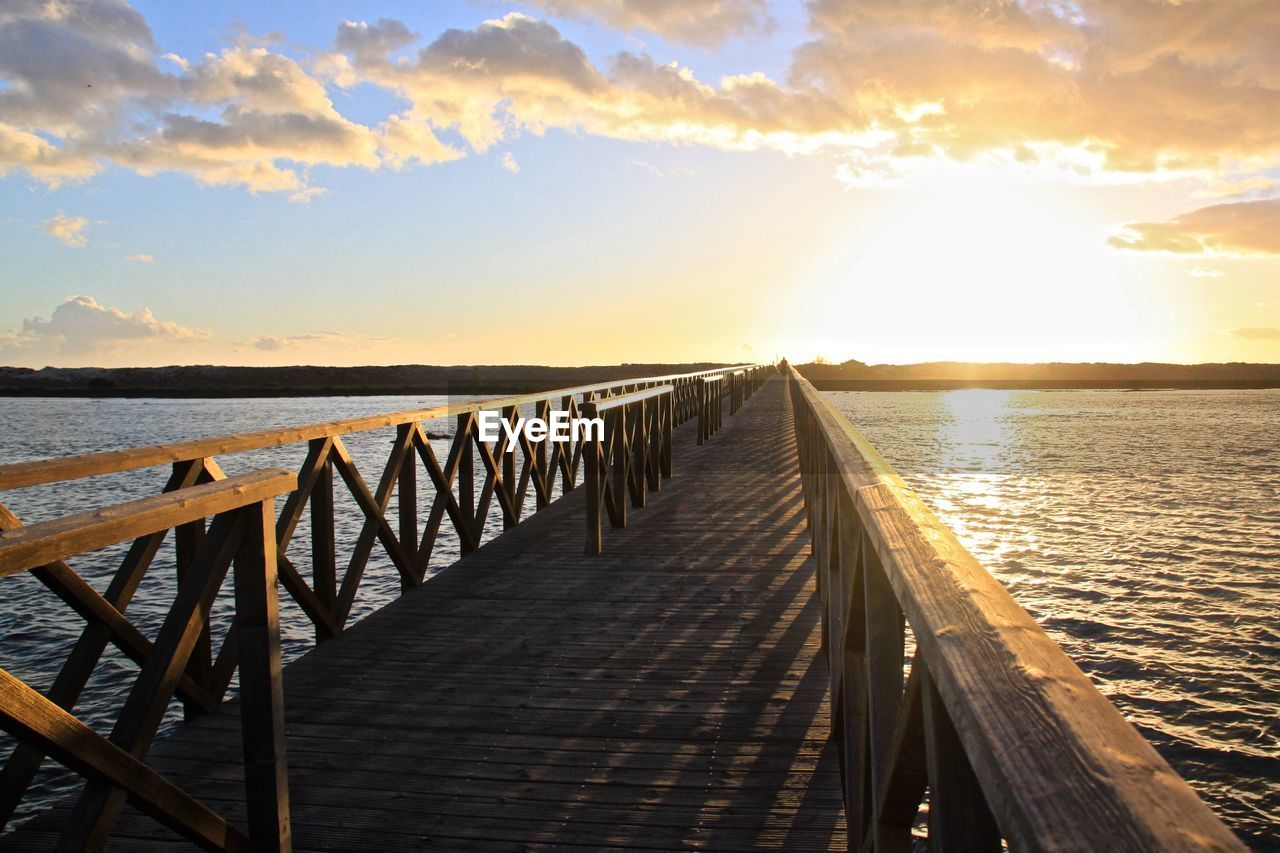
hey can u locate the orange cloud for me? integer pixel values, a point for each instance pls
(1089, 87)
(70, 230)
(1125, 85)
(518, 73)
(1243, 228)
(704, 22)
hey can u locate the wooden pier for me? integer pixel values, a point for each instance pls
(671, 692)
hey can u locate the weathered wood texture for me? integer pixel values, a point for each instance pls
(243, 531)
(669, 693)
(633, 452)
(1010, 737)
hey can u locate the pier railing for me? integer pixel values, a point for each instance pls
(242, 531)
(640, 415)
(1009, 738)
(631, 457)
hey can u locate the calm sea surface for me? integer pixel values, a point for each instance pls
(1142, 530)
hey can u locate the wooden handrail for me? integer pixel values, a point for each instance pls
(24, 548)
(241, 534)
(1012, 739)
(38, 472)
(607, 403)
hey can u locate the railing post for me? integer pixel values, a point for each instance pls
(568, 474)
(593, 481)
(542, 496)
(466, 480)
(620, 465)
(653, 466)
(262, 730)
(407, 495)
(668, 427)
(324, 554)
(959, 818)
(639, 438)
(720, 405)
(703, 412)
(186, 542)
(509, 414)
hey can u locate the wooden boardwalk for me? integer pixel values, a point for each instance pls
(670, 693)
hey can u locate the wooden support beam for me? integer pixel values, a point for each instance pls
(257, 625)
(33, 719)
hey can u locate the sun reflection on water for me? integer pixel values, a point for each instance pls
(978, 434)
(1142, 530)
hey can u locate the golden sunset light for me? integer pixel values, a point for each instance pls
(640, 424)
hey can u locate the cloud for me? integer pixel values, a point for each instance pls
(270, 343)
(305, 195)
(82, 331)
(1242, 228)
(517, 74)
(84, 87)
(661, 173)
(141, 258)
(1100, 85)
(1205, 272)
(82, 326)
(370, 41)
(69, 229)
(317, 340)
(509, 162)
(703, 22)
(1258, 334)
(1087, 89)
(1258, 184)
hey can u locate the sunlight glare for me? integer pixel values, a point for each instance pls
(990, 274)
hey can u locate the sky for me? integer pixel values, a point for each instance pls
(601, 181)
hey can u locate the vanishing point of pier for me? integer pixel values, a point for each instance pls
(724, 624)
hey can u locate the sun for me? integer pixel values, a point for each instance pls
(981, 274)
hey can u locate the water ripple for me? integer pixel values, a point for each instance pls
(1143, 532)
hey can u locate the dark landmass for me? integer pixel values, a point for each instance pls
(948, 375)
(213, 381)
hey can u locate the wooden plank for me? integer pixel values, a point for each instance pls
(46, 542)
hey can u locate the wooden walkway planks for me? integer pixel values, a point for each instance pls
(669, 693)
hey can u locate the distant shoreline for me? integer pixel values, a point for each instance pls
(468, 391)
(1043, 384)
(465, 381)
